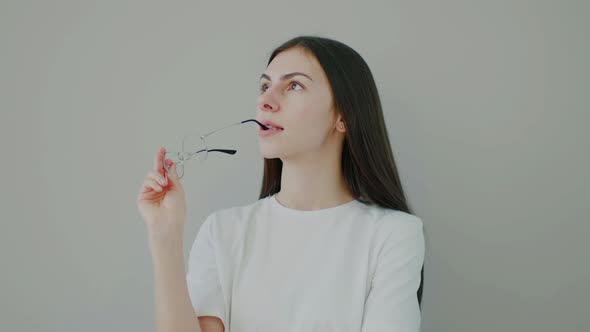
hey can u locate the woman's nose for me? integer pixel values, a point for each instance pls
(265, 103)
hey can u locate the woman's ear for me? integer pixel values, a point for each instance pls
(340, 124)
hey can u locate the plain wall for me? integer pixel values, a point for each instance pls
(486, 104)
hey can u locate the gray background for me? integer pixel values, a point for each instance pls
(486, 104)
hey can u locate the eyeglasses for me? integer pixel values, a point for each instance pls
(194, 147)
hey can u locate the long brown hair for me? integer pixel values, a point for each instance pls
(367, 159)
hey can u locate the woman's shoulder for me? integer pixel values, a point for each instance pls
(227, 224)
(401, 230)
(386, 218)
(236, 213)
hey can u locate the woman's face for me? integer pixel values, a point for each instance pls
(301, 103)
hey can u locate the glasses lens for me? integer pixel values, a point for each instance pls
(180, 170)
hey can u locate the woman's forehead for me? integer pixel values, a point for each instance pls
(294, 60)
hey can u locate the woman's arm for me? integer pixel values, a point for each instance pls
(174, 311)
(392, 302)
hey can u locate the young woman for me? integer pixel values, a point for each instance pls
(330, 245)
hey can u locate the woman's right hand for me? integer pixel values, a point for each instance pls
(161, 200)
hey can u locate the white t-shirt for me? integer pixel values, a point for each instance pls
(267, 268)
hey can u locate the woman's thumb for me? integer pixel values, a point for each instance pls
(172, 171)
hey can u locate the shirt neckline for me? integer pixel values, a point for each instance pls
(309, 213)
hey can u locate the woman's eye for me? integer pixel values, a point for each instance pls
(264, 87)
(296, 83)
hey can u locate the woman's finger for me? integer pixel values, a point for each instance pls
(151, 184)
(172, 170)
(161, 179)
(158, 165)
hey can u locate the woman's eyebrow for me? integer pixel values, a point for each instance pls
(286, 76)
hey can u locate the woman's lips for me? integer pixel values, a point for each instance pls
(269, 132)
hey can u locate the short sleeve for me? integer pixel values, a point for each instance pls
(203, 278)
(392, 303)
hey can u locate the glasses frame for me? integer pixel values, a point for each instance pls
(185, 156)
